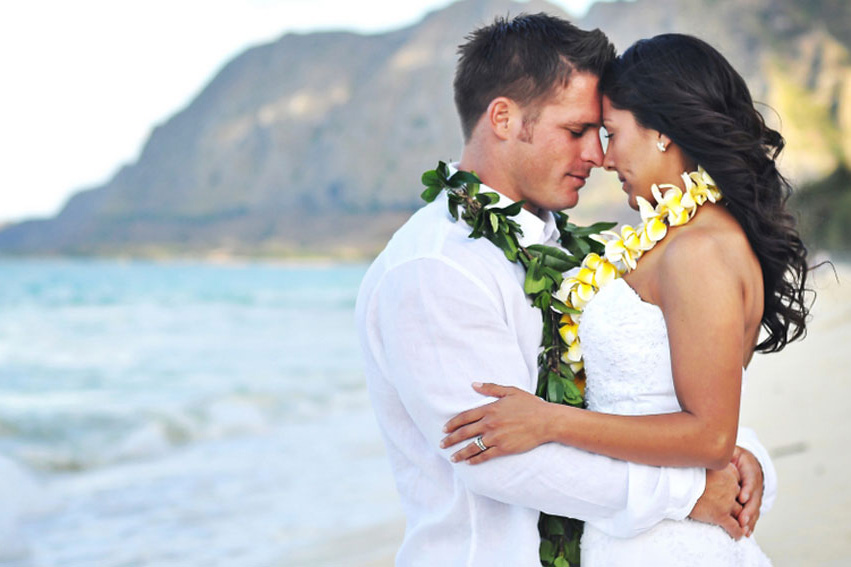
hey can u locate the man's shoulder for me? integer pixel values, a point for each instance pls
(431, 233)
(431, 237)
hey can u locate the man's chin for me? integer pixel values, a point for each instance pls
(568, 202)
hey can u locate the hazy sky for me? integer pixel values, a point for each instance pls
(85, 81)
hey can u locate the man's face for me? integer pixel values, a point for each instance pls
(551, 158)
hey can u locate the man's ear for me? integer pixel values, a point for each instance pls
(501, 115)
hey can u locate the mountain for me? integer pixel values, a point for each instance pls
(315, 143)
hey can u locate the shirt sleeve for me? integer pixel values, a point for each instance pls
(747, 439)
(440, 329)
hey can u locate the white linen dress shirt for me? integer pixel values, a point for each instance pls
(438, 311)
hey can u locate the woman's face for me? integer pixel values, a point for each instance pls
(632, 152)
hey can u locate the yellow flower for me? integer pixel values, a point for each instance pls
(653, 231)
(704, 188)
(568, 331)
(574, 292)
(591, 261)
(605, 273)
(581, 295)
(646, 210)
(628, 246)
(585, 276)
(573, 352)
(671, 204)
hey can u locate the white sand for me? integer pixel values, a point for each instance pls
(799, 402)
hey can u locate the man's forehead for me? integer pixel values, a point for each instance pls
(578, 102)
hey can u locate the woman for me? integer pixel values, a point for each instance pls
(665, 346)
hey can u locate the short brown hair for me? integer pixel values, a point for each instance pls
(523, 59)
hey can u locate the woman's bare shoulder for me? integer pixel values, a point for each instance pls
(711, 245)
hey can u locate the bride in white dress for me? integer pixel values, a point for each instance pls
(665, 346)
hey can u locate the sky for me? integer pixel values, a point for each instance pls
(87, 80)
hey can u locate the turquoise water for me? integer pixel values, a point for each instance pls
(182, 414)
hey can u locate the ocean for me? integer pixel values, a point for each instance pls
(183, 414)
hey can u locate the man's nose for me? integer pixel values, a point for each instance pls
(593, 151)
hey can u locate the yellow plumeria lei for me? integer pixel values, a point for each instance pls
(674, 207)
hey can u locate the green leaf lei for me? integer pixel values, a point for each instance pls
(544, 267)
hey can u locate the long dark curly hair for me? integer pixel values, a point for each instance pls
(684, 88)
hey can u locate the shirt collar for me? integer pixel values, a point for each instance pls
(536, 230)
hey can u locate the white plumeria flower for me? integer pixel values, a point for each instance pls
(670, 203)
(706, 189)
(568, 329)
(604, 271)
(645, 209)
(574, 352)
(652, 232)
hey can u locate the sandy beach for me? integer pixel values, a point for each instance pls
(797, 401)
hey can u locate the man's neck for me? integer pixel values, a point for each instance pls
(490, 170)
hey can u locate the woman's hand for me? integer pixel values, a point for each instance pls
(515, 423)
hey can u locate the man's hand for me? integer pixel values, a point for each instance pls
(750, 495)
(719, 505)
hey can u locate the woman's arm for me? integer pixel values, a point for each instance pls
(702, 300)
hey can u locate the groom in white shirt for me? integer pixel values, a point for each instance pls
(438, 311)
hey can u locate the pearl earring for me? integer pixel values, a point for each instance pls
(661, 145)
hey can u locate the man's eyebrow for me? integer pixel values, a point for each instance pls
(583, 125)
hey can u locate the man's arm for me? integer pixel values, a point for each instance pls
(441, 329)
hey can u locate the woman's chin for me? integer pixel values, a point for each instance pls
(633, 204)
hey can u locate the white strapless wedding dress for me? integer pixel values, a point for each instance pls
(628, 368)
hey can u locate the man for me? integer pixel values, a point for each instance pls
(438, 311)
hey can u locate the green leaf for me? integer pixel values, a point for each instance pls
(442, 171)
(506, 244)
(487, 198)
(555, 276)
(453, 209)
(566, 372)
(460, 178)
(572, 548)
(532, 286)
(560, 561)
(535, 282)
(555, 391)
(494, 220)
(578, 247)
(547, 551)
(595, 228)
(572, 395)
(431, 178)
(431, 193)
(555, 525)
(542, 301)
(512, 209)
(562, 308)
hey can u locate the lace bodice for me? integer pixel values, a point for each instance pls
(627, 358)
(628, 368)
